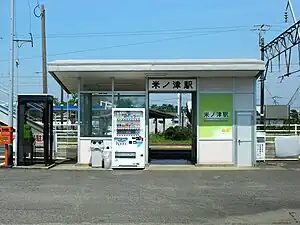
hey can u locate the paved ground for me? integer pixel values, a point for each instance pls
(152, 197)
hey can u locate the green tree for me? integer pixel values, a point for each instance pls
(124, 103)
(168, 108)
(294, 117)
(73, 100)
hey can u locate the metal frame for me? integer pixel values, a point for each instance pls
(283, 44)
(47, 102)
(195, 94)
(147, 122)
(78, 118)
(234, 127)
(254, 121)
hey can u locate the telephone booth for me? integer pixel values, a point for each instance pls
(35, 130)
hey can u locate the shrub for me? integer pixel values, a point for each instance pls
(178, 133)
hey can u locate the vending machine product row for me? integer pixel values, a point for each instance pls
(128, 134)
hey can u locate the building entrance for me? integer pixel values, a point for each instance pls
(173, 131)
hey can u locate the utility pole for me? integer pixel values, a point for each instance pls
(262, 77)
(44, 53)
(11, 77)
(261, 42)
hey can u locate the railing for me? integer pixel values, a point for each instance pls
(65, 140)
(274, 130)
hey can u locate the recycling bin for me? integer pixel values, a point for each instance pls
(97, 148)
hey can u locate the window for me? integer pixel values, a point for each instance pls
(130, 100)
(96, 111)
(96, 115)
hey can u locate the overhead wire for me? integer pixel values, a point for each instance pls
(148, 32)
(195, 34)
(30, 20)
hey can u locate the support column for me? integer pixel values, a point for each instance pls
(197, 108)
(164, 124)
(147, 122)
(194, 127)
(78, 118)
(51, 128)
(112, 91)
(46, 132)
(155, 126)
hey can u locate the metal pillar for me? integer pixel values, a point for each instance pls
(112, 91)
(11, 76)
(262, 80)
(78, 118)
(61, 107)
(147, 122)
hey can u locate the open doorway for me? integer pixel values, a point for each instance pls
(172, 128)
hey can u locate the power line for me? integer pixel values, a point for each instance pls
(145, 42)
(165, 30)
(130, 34)
(29, 9)
(267, 89)
(147, 32)
(127, 45)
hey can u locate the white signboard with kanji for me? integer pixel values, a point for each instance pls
(172, 85)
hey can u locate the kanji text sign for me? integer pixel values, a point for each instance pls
(216, 115)
(172, 85)
(211, 115)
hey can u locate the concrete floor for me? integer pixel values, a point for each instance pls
(152, 197)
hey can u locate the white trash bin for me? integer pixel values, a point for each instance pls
(97, 148)
(107, 156)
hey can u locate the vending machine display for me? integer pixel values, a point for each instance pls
(128, 138)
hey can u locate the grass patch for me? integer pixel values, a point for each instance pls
(67, 139)
(160, 139)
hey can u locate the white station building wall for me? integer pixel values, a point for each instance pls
(226, 151)
(211, 152)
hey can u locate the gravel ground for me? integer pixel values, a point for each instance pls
(149, 197)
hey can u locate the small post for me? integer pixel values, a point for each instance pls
(6, 153)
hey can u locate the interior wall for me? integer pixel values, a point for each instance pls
(85, 154)
(223, 151)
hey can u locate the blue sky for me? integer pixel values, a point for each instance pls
(74, 26)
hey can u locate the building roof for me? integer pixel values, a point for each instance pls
(131, 74)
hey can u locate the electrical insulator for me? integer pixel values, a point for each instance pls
(285, 16)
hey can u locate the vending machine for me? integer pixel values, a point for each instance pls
(128, 138)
